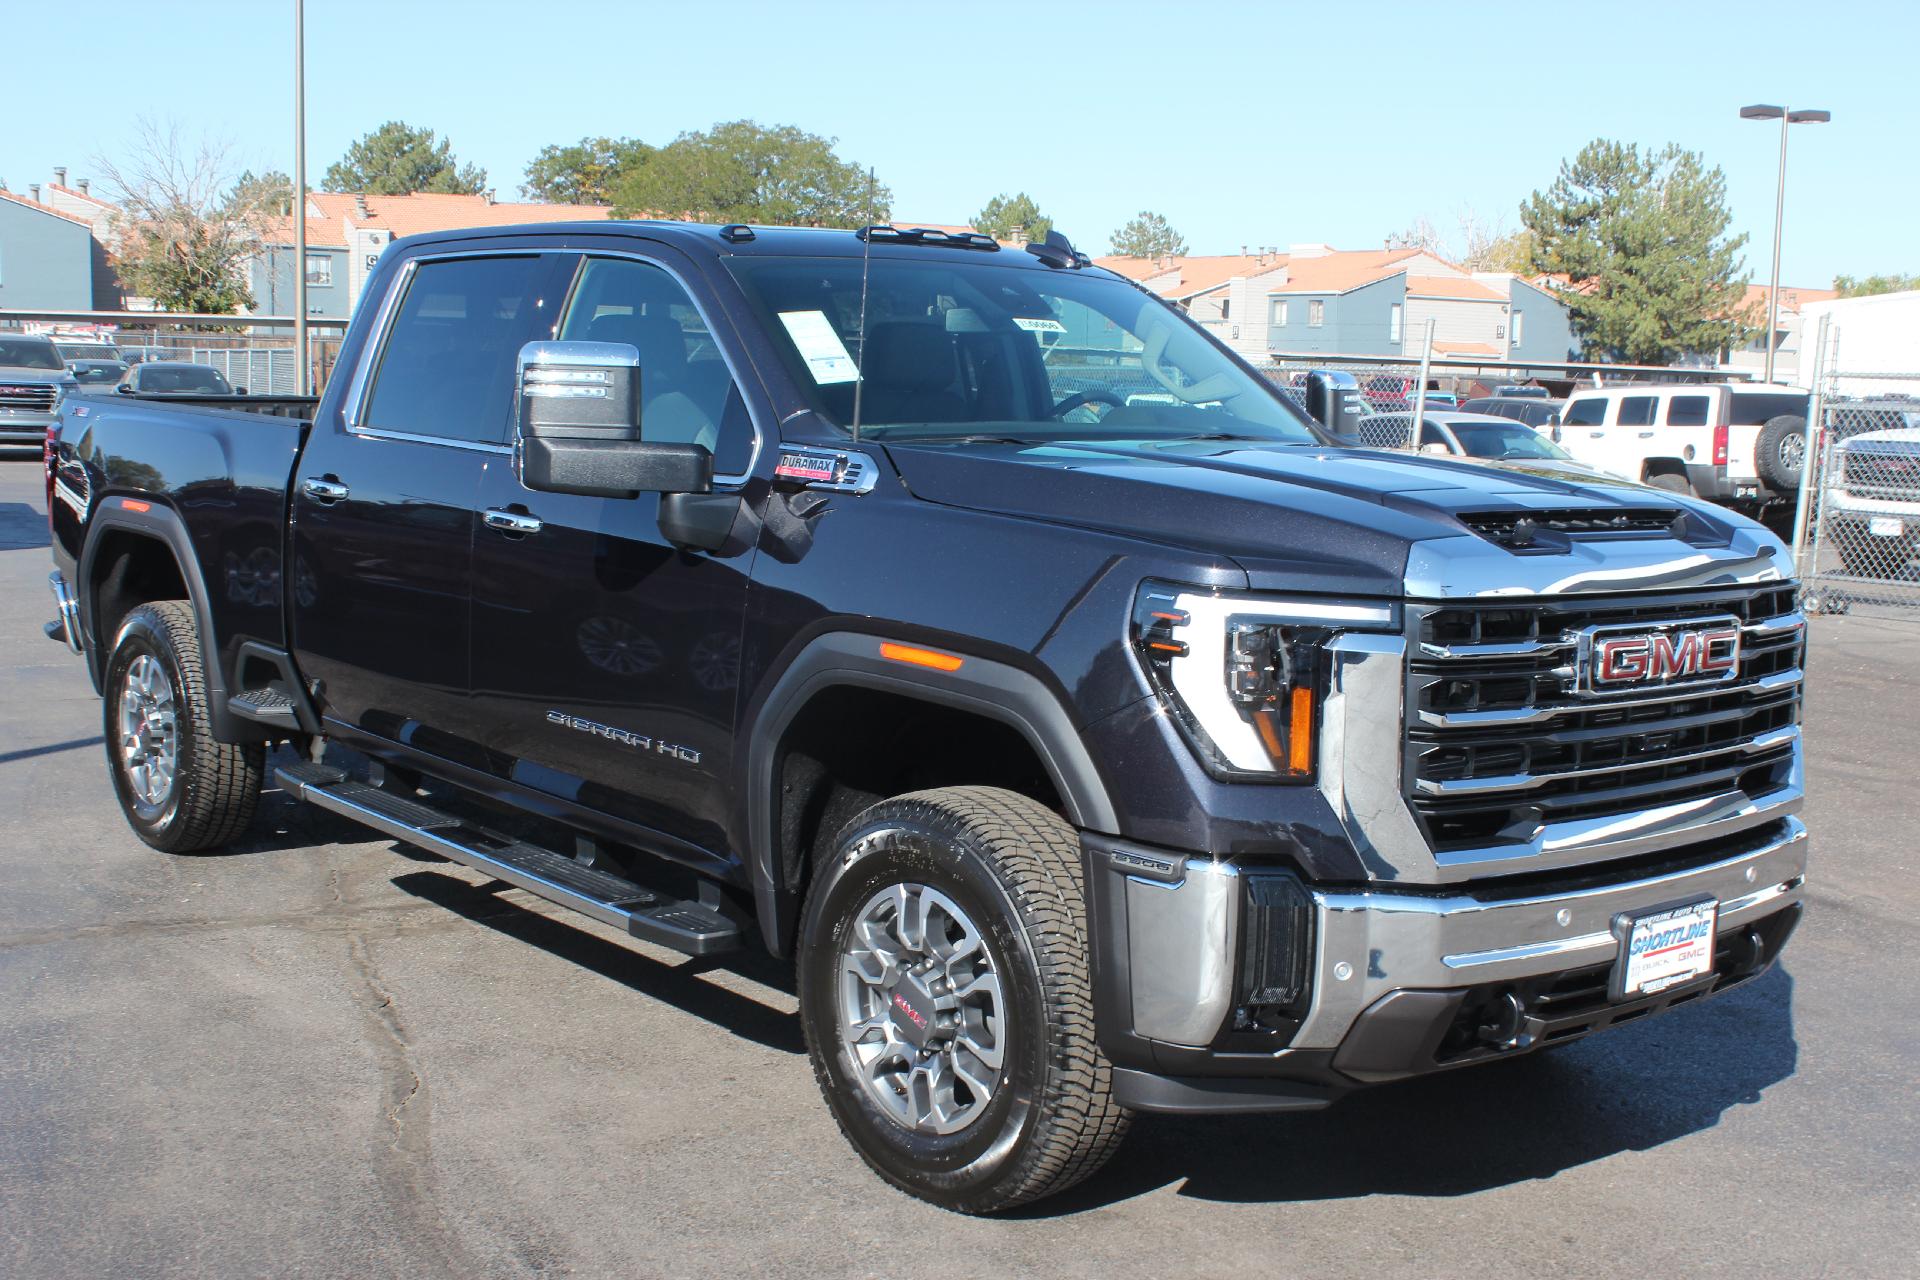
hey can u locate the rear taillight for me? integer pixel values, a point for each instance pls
(1720, 445)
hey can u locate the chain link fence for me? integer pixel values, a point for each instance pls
(1859, 535)
(258, 356)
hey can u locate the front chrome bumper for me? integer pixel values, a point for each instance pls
(1183, 920)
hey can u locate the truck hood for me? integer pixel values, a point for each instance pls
(22, 376)
(1345, 521)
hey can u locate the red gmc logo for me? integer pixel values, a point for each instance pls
(1663, 657)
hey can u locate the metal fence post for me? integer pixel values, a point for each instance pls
(1419, 416)
(1813, 468)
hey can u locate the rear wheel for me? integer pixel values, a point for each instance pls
(180, 789)
(1671, 483)
(945, 996)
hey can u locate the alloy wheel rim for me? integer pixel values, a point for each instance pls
(1793, 452)
(149, 732)
(921, 1010)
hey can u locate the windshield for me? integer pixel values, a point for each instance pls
(96, 371)
(189, 379)
(87, 351)
(964, 349)
(29, 353)
(1485, 440)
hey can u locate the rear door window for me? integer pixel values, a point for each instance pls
(1637, 411)
(1688, 411)
(446, 371)
(1757, 408)
(1590, 412)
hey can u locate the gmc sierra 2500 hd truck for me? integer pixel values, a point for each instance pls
(1093, 732)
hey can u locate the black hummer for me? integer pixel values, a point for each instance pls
(1094, 732)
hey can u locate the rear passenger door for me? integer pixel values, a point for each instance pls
(384, 499)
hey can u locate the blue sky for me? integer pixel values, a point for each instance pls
(1244, 124)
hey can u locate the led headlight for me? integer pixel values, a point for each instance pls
(1244, 675)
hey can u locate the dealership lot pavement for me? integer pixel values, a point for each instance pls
(316, 1055)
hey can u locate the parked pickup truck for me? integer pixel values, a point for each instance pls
(33, 378)
(1084, 757)
(1870, 512)
(1740, 445)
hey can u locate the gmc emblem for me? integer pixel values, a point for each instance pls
(1619, 658)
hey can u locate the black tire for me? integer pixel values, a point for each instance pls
(1014, 867)
(214, 786)
(1671, 483)
(1780, 451)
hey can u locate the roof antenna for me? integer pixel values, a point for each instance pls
(866, 258)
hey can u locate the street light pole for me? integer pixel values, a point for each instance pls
(302, 371)
(1786, 117)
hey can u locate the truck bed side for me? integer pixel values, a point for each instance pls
(142, 489)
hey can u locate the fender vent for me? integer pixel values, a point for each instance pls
(1542, 529)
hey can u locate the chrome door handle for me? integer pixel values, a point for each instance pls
(515, 522)
(323, 490)
(1595, 435)
(1646, 435)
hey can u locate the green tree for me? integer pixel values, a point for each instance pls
(1642, 240)
(396, 159)
(587, 172)
(1147, 235)
(1004, 212)
(1864, 286)
(747, 172)
(269, 194)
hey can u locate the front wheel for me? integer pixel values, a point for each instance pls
(180, 789)
(945, 996)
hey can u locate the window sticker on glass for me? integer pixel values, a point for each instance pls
(1040, 326)
(826, 356)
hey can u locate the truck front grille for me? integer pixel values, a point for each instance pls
(26, 399)
(1877, 473)
(1501, 744)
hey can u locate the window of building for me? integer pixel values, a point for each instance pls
(1279, 311)
(1393, 323)
(1316, 314)
(319, 270)
(687, 391)
(1637, 411)
(1688, 411)
(447, 367)
(1226, 307)
(1519, 326)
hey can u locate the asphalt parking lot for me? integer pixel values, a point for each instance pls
(320, 1055)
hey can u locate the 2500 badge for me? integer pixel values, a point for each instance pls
(625, 737)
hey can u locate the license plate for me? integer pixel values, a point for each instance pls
(1884, 526)
(1664, 949)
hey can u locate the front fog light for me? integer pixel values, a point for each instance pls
(1243, 675)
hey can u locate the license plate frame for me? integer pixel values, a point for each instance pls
(1886, 526)
(1650, 961)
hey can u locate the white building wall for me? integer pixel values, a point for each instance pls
(1879, 334)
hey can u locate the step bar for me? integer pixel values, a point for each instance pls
(688, 927)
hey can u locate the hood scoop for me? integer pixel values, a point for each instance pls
(1549, 531)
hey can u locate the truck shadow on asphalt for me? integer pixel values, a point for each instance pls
(22, 527)
(1478, 1128)
(682, 984)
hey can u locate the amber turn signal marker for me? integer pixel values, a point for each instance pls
(134, 504)
(920, 657)
(1300, 733)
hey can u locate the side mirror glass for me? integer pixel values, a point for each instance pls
(239, 391)
(577, 423)
(1435, 447)
(125, 388)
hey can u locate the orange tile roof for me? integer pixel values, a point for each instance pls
(1196, 275)
(330, 213)
(1791, 299)
(1452, 287)
(43, 208)
(1344, 269)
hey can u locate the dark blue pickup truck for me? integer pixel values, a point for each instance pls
(1092, 731)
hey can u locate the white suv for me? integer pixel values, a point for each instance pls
(1738, 445)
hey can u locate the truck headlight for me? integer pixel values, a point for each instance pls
(1244, 675)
